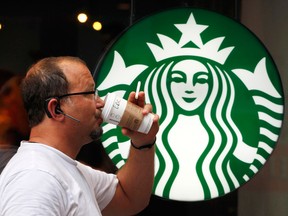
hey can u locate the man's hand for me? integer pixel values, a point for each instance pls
(140, 139)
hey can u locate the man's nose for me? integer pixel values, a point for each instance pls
(99, 102)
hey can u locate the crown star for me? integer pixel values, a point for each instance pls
(190, 32)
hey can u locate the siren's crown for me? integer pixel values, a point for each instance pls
(191, 32)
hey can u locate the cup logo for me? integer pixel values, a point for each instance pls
(218, 94)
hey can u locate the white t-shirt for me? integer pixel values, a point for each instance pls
(40, 180)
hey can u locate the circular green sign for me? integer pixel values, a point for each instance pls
(218, 94)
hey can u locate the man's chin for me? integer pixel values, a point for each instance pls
(96, 134)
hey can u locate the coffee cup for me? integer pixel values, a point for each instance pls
(119, 111)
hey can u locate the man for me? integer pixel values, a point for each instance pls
(64, 114)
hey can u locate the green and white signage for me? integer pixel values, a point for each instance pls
(218, 94)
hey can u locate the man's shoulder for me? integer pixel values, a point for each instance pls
(36, 159)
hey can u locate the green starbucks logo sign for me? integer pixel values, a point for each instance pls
(216, 90)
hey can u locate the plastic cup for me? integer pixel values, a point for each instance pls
(119, 111)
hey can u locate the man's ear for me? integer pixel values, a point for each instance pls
(52, 106)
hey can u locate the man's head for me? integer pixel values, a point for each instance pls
(43, 80)
(48, 91)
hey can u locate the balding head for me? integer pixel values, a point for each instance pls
(47, 78)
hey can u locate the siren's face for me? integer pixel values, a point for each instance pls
(189, 84)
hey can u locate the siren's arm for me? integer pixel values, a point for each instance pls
(245, 152)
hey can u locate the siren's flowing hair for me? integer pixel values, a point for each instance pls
(213, 167)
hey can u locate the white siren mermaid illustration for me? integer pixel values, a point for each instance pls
(218, 125)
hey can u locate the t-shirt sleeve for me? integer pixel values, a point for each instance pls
(27, 194)
(103, 184)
